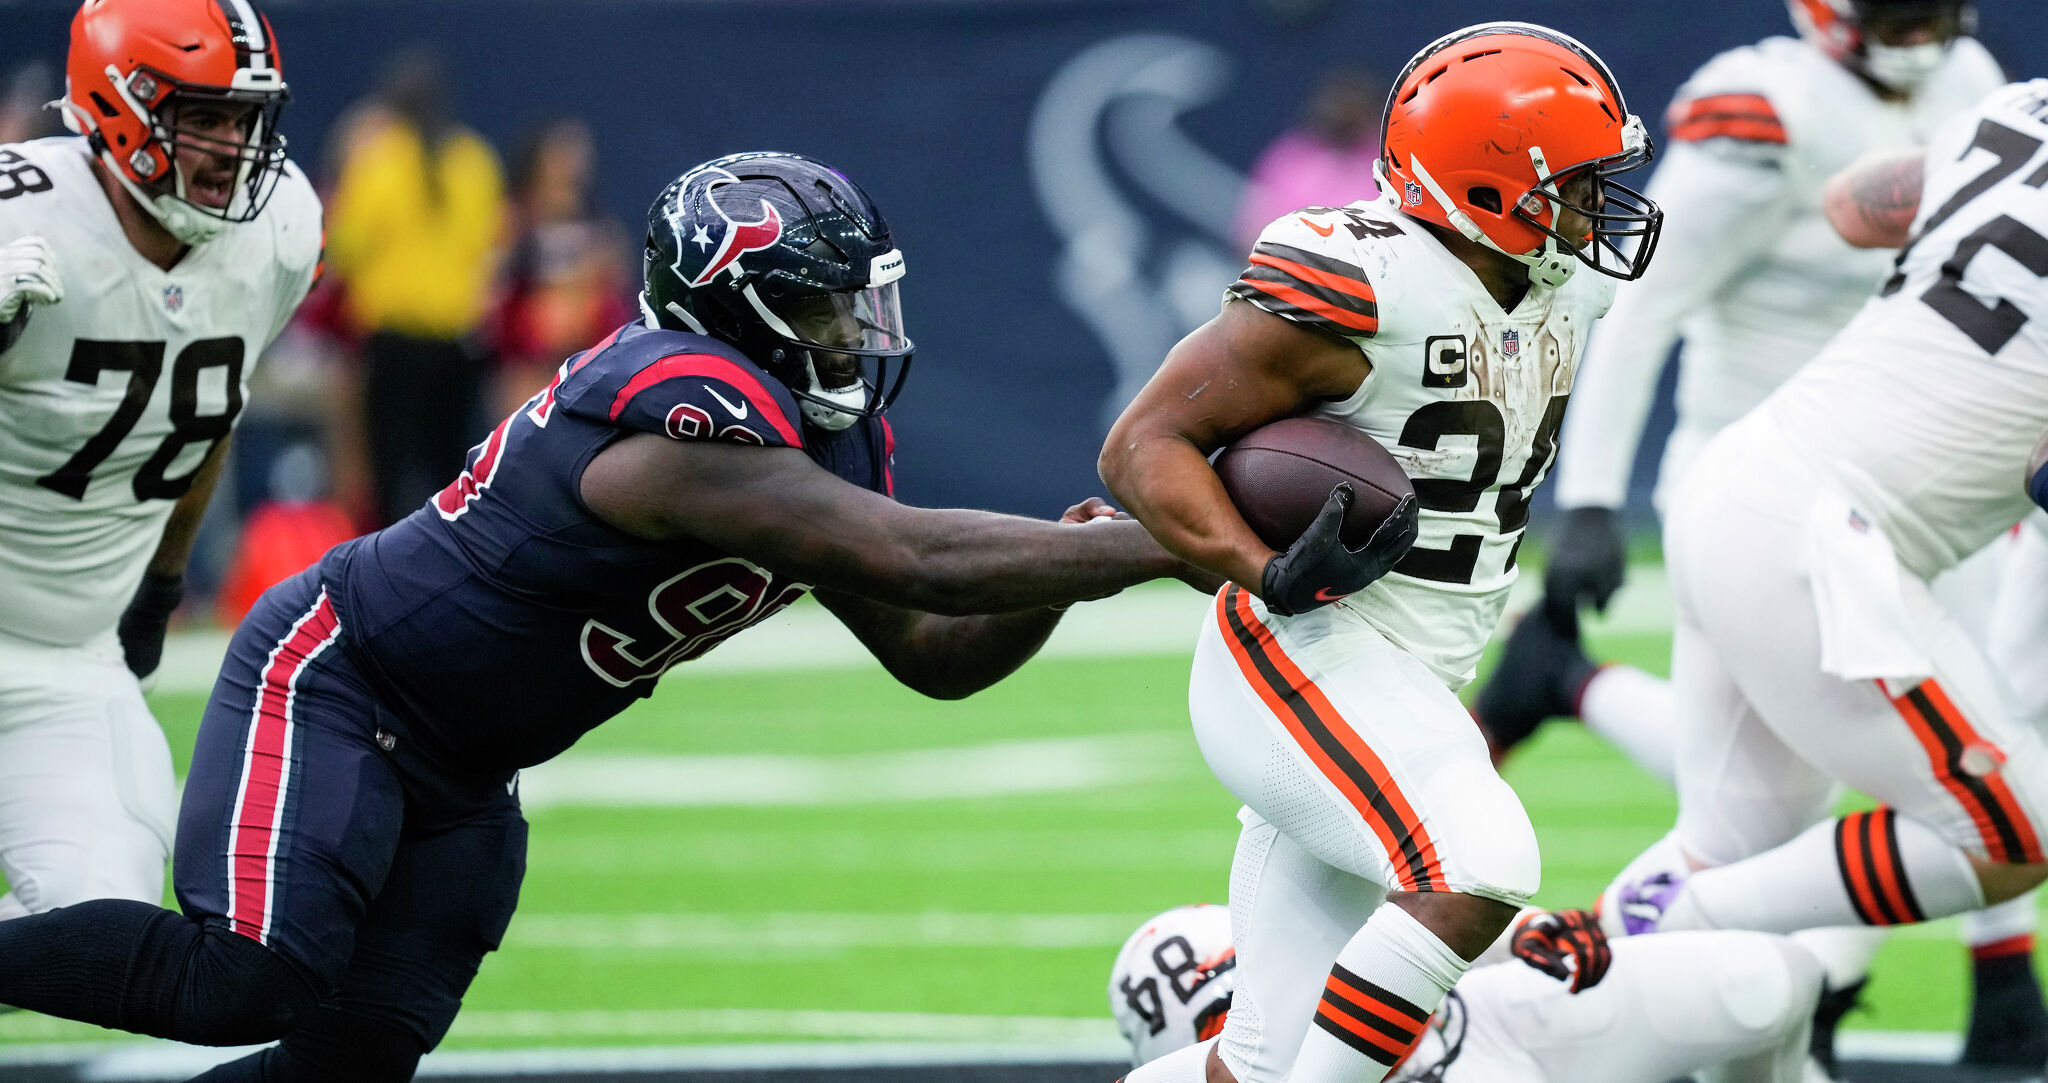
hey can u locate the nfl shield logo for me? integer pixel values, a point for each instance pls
(174, 298)
(1413, 195)
(1510, 343)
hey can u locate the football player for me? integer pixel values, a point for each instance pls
(1444, 318)
(1809, 648)
(679, 481)
(144, 266)
(1751, 281)
(1733, 1006)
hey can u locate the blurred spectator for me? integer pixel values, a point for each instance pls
(566, 281)
(23, 115)
(1326, 161)
(412, 232)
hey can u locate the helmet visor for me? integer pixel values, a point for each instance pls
(852, 342)
(867, 322)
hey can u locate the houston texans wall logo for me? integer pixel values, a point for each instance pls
(718, 238)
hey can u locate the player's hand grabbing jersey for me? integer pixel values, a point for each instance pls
(507, 618)
(1468, 398)
(1749, 271)
(1926, 407)
(111, 398)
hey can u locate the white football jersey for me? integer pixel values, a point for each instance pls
(1749, 272)
(1466, 397)
(111, 398)
(1925, 408)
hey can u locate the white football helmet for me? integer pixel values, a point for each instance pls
(1172, 982)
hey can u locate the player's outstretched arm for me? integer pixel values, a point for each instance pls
(954, 657)
(1240, 370)
(777, 508)
(1873, 202)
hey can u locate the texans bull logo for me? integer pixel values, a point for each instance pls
(718, 238)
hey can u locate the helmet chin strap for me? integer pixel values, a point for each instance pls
(1549, 266)
(838, 410)
(177, 217)
(181, 221)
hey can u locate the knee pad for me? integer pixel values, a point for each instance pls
(235, 991)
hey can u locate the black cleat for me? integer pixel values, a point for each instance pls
(1541, 672)
(1827, 1018)
(2008, 1022)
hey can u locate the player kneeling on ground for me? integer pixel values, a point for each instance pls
(1733, 1006)
(351, 845)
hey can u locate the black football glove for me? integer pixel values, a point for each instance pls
(1586, 564)
(147, 616)
(1568, 945)
(1319, 568)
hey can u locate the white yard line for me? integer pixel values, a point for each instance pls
(601, 780)
(1155, 619)
(723, 933)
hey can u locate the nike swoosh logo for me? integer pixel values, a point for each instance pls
(1328, 595)
(1322, 231)
(739, 412)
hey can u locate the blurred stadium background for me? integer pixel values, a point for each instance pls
(783, 855)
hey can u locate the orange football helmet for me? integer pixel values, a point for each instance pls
(1842, 30)
(131, 60)
(1485, 127)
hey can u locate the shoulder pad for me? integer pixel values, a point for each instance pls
(1973, 68)
(1731, 97)
(676, 384)
(1299, 271)
(32, 168)
(297, 219)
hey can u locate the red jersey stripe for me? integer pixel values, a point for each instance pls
(713, 367)
(264, 792)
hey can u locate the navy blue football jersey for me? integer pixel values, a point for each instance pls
(504, 619)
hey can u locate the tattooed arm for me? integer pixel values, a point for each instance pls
(1872, 203)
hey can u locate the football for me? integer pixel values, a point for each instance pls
(1280, 474)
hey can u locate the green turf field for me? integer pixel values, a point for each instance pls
(724, 923)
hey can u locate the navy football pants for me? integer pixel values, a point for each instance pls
(311, 824)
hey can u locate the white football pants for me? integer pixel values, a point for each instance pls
(87, 798)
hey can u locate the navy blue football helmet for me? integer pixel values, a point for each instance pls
(788, 260)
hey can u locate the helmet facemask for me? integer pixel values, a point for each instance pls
(1906, 68)
(1853, 32)
(152, 172)
(1624, 224)
(846, 349)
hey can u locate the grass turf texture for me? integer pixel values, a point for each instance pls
(1129, 850)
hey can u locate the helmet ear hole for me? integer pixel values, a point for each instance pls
(1486, 199)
